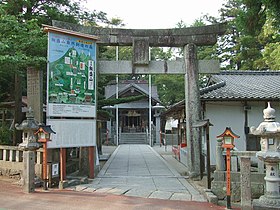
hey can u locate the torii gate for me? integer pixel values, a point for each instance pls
(141, 40)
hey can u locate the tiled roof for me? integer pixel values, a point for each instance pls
(240, 85)
(110, 90)
(236, 85)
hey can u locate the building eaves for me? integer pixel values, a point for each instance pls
(243, 85)
(238, 86)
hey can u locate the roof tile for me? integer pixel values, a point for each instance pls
(243, 85)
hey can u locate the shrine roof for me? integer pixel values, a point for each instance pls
(236, 86)
(242, 85)
(131, 85)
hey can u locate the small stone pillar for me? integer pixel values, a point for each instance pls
(220, 161)
(269, 131)
(35, 92)
(245, 182)
(29, 145)
(158, 109)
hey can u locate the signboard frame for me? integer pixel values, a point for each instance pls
(71, 75)
(71, 88)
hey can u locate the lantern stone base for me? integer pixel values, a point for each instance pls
(63, 184)
(28, 171)
(265, 203)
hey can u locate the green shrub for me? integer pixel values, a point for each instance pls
(5, 136)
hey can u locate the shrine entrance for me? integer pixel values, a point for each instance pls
(190, 66)
(132, 121)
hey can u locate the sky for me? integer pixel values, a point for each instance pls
(155, 14)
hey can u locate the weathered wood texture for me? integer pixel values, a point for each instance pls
(176, 37)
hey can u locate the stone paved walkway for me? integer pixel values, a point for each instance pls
(137, 170)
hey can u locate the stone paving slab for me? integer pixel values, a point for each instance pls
(139, 193)
(119, 190)
(181, 196)
(161, 195)
(190, 188)
(113, 181)
(163, 183)
(199, 198)
(138, 170)
(90, 189)
(103, 189)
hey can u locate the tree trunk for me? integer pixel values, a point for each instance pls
(18, 111)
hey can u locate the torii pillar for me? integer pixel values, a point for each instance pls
(193, 110)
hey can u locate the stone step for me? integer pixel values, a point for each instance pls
(133, 138)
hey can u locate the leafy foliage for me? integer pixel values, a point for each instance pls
(252, 24)
(22, 44)
(170, 88)
(251, 42)
(5, 136)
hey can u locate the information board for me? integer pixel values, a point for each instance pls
(72, 133)
(71, 76)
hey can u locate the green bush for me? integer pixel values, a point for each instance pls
(5, 136)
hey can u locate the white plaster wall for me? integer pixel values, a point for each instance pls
(255, 115)
(231, 114)
(222, 115)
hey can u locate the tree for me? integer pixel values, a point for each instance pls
(21, 44)
(248, 43)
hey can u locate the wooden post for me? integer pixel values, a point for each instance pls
(172, 140)
(62, 166)
(107, 136)
(228, 178)
(160, 139)
(91, 161)
(45, 166)
(208, 157)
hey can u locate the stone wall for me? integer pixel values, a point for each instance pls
(11, 161)
(218, 185)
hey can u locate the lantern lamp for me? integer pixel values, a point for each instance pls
(44, 132)
(228, 137)
(228, 143)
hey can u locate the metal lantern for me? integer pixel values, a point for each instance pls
(228, 137)
(44, 132)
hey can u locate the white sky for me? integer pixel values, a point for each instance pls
(154, 14)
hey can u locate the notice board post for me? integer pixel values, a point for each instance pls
(71, 90)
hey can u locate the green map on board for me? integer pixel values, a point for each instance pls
(71, 78)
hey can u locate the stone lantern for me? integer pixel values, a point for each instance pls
(269, 131)
(28, 145)
(28, 127)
